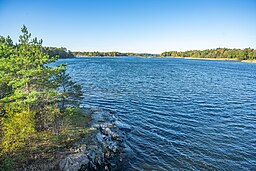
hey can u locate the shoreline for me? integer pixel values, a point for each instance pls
(103, 150)
(193, 58)
(213, 59)
(249, 61)
(99, 148)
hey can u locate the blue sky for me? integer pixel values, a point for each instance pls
(150, 26)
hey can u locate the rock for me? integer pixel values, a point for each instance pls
(106, 168)
(100, 137)
(73, 162)
(104, 152)
(83, 149)
(104, 125)
(92, 165)
(92, 155)
(108, 131)
(83, 168)
(114, 147)
(112, 134)
(107, 155)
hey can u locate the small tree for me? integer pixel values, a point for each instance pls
(70, 93)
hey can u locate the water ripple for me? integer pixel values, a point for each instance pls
(184, 114)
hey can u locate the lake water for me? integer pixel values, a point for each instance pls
(185, 114)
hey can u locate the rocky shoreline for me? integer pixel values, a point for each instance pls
(105, 151)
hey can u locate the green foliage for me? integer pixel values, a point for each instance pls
(98, 54)
(112, 54)
(18, 129)
(73, 115)
(6, 164)
(60, 52)
(240, 54)
(70, 92)
(35, 99)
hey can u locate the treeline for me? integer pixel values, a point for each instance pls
(38, 103)
(239, 54)
(112, 54)
(60, 52)
(142, 54)
(97, 53)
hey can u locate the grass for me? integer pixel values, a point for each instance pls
(44, 151)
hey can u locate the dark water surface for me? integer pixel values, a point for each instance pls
(184, 114)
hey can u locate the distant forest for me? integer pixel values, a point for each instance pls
(239, 54)
(113, 54)
(64, 53)
(60, 52)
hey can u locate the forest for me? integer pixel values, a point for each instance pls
(39, 110)
(238, 54)
(60, 52)
(96, 53)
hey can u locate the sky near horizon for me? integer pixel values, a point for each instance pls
(151, 26)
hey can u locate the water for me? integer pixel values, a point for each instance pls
(184, 114)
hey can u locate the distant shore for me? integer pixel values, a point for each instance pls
(194, 58)
(211, 59)
(249, 61)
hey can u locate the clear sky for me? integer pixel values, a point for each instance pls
(150, 26)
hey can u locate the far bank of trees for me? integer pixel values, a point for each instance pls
(60, 52)
(112, 54)
(239, 54)
(97, 53)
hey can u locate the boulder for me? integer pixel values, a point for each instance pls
(73, 162)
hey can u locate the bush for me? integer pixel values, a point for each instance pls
(18, 130)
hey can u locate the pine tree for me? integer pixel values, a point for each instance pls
(30, 91)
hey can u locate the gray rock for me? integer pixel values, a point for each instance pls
(103, 125)
(111, 133)
(113, 146)
(92, 155)
(105, 151)
(73, 162)
(100, 137)
(92, 165)
(106, 168)
(83, 149)
(108, 131)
